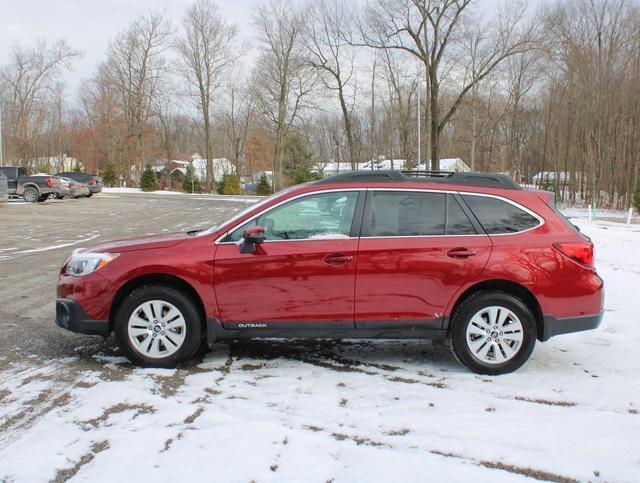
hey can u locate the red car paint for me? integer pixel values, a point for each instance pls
(353, 281)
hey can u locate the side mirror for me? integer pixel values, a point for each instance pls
(252, 236)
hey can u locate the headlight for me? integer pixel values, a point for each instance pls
(86, 263)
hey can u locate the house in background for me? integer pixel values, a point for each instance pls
(331, 168)
(549, 177)
(57, 164)
(178, 169)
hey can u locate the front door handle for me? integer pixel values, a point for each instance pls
(460, 252)
(337, 259)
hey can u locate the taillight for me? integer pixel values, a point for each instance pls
(93, 181)
(48, 182)
(581, 252)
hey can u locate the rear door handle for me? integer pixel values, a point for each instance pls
(337, 259)
(460, 252)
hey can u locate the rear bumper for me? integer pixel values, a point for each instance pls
(566, 325)
(71, 316)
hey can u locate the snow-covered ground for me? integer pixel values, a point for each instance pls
(342, 411)
(129, 191)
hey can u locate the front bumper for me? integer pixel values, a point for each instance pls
(566, 325)
(71, 316)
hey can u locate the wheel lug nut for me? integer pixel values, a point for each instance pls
(162, 325)
(488, 338)
(154, 334)
(500, 333)
(161, 333)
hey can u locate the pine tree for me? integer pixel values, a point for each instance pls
(191, 183)
(636, 198)
(263, 188)
(149, 181)
(231, 185)
(109, 176)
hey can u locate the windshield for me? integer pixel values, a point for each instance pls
(241, 213)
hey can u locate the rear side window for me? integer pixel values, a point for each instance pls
(407, 213)
(499, 217)
(458, 222)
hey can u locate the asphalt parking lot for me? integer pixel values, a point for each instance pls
(36, 238)
(317, 410)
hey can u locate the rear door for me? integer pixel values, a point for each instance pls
(417, 249)
(303, 275)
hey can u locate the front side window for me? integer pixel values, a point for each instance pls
(407, 213)
(318, 216)
(499, 217)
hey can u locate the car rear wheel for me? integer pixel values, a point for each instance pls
(492, 333)
(158, 326)
(30, 194)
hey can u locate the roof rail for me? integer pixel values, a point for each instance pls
(438, 174)
(445, 177)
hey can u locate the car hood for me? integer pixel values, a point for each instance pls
(143, 243)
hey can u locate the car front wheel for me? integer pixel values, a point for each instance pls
(158, 326)
(492, 333)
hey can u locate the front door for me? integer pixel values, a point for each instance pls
(417, 249)
(303, 273)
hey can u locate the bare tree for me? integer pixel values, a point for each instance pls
(329, 25)
(282, 79)
(25, 84)
(237, 118)
(135, 66)
(430, 30)
(207, 49)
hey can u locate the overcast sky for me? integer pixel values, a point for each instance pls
(88, 25)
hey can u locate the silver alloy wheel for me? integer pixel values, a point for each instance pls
(157, 329)
(494, 335)
(30, 195)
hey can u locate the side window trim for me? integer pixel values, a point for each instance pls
(355, 223)
(358, 215)
(541, 220)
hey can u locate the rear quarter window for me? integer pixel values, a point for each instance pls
(498, 216)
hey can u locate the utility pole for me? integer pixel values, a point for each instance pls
(1, 144)
(419, 112)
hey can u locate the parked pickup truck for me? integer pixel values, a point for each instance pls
(31, 188)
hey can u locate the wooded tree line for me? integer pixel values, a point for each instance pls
(511, 89)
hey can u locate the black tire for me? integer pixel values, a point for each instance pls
(43, 198)
(184, 304)
(462, 318)
(89, 195)
(30, 194)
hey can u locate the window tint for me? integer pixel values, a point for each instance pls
(407, 214)
(497, 216)
(457, 221)
(321, 216)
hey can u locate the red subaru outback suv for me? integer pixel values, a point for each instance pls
(467, 257)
